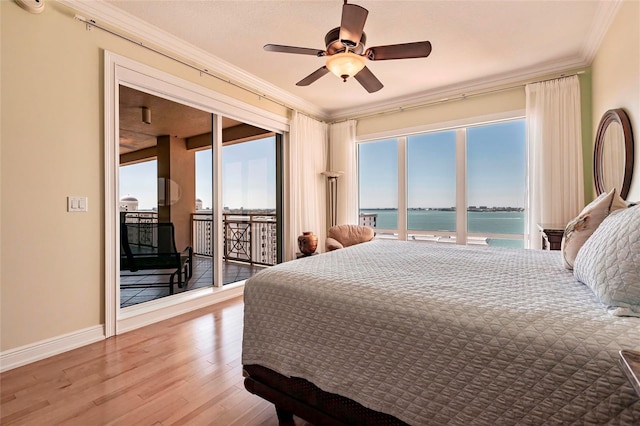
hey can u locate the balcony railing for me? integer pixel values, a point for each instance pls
(140, 236)
(248, 238)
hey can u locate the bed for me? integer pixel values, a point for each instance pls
(392, 332)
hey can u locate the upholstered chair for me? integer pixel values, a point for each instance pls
(341, 236)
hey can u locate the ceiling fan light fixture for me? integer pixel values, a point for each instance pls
(345, 64)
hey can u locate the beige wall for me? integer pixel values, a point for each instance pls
(506, 101)
(616, 77)
(51, 271)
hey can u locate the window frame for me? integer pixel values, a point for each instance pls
(460, 127)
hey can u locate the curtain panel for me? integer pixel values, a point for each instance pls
(554, 154)
(308, 145)
(343, 158)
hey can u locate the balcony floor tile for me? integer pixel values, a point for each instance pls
(202, 277)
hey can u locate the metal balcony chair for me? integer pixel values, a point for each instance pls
(152, 247)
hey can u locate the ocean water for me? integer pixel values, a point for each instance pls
(437, 220)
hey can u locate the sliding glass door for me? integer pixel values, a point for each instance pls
(155, 126)
(157, 188)
(250, 214)
(167, 188)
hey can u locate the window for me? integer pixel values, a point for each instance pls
(378, 182)
(431, 182)
(496, 175)
(464, 185)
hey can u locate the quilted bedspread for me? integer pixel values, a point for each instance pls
(454, 335)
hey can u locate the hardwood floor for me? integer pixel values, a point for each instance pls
(182, 371)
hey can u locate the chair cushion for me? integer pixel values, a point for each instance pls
(332, 244)
(349, 235)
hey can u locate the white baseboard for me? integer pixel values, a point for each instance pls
(133, 318)
(27, 354)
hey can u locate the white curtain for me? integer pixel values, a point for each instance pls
(308, 145)
(556, 185)
(343, 155)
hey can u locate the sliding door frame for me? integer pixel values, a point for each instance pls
(118, 71)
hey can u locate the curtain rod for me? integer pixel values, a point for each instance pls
(91, 23)
(460, 97)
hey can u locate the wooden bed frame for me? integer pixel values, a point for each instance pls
(295, 396)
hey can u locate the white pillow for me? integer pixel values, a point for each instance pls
(581, 228)
(609, 262)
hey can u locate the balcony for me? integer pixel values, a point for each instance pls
(250, 244)
(248, 238)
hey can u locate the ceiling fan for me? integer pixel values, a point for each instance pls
(346, 54)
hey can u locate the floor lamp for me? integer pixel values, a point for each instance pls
(332, 182)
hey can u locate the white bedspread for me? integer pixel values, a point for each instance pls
(436, 334)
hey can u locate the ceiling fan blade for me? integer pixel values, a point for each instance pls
(352, 25)
(313, 76)
(293, 49)
(419, 49)
(369, 81)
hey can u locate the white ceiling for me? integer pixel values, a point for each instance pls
(476, 44)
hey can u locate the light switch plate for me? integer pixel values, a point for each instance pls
(77, 204)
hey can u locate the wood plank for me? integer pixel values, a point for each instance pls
(186, 369)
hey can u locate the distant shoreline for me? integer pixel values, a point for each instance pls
(453, 209)
(493, 220)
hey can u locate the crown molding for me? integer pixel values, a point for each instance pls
(104, 13)
(603, 18)
(116, 18)
(605, 14)
(528, 75)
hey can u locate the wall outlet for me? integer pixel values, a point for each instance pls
(77, 204)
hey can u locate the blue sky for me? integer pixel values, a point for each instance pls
(496, 165)
(495, 168)
(495, 171)
(140, 181)
(248, 171)
(378, 174)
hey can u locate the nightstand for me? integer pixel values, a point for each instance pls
(551, 235)
(630, 363)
